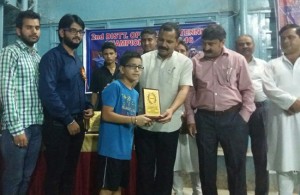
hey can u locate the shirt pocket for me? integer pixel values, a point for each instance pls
(226, 75)
(170, 77)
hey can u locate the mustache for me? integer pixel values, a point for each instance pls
(162, 47)
(246, 49)
(78, 38)
(207, 51)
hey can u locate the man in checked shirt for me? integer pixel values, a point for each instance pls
(22, 110)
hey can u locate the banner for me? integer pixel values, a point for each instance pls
(288, 12)
(129, 39)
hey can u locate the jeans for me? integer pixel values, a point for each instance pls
(156, 153)
(231, 131)
(62, 152)
(19, 163)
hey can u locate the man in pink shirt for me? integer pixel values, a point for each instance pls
(218, 108)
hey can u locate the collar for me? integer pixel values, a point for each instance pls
(158, 57)
(284, 58)
(253, 60)
(23, 46)
(63, 50)
(225, 51)
(105, 64)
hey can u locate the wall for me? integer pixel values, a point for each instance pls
(139, 13)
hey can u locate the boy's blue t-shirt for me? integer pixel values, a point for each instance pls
(115, 140)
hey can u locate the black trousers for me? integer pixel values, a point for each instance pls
(62, 152)
(231, 131)
(156, 153)
(259, 148)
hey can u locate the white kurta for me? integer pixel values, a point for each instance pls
(281, 84)
(187, 154)
(166, 75)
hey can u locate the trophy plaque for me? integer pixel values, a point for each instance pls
(151, 102)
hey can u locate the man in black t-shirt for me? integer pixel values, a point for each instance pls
(104, 75)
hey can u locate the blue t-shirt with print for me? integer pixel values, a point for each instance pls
(115, 140)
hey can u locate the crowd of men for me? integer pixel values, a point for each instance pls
(225, 95)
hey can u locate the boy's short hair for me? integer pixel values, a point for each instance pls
(149, 31)
(108, 45)
(128, 55)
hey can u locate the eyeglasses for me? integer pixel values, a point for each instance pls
(74, 31)
(134, 67)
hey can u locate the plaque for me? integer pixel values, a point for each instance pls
(151, 102)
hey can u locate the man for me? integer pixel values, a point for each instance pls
(245, 46)
(22, 110)
(104, 75)
(224, 98)
(171, 73)
(62, 81)
(281, 85)
(148, 40)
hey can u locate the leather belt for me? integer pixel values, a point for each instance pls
(219, 113)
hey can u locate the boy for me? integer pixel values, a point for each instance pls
(120, 104)
(106, 74)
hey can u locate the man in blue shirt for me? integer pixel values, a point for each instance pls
(62, 82)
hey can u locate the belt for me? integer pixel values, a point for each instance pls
(260, 104)
(219, 113)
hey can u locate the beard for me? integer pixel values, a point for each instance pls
(70, 43)
(28, 41)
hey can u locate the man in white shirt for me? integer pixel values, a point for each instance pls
(245, 46)
(281, 84)
(171, 73)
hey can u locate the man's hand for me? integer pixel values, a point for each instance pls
(192, 129)
(88, 113)
(21, 140)
(73, 128)
(295, 107)
(142, 120)
(166, 116)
